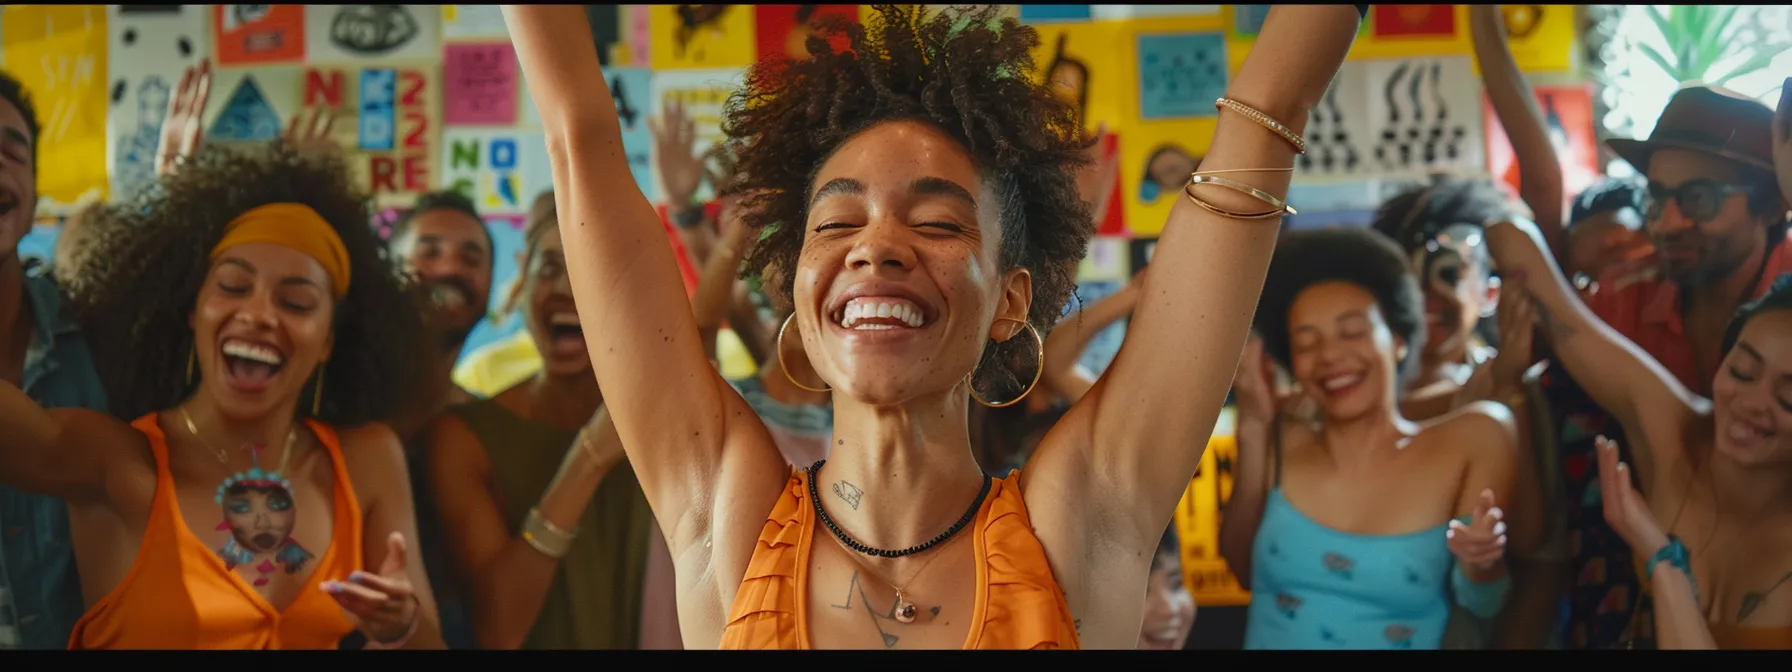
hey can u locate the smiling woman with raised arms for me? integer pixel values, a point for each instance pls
(248, 321)
(924, 224)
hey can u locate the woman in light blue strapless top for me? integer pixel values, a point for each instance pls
(1365, 526)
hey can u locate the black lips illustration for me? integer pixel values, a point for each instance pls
(372, 29)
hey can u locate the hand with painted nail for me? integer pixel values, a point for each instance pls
(381, 605)
(1625, 510)
(1481, 542)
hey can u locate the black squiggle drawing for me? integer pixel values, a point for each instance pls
(1415, 137)
(1389, 137)
(372, 30)
(1330, 149)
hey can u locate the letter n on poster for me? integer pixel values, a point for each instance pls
(480, 87)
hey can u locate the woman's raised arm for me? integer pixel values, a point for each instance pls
(639, 330)
(1617, 374)
(63, 453)
(1138, 435)
(1539, 169)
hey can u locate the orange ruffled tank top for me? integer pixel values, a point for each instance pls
(178, 594)
(1018, 603)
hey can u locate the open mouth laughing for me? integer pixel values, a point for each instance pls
(251, 366)
(566, 335)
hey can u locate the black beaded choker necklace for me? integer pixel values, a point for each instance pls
(969, 515)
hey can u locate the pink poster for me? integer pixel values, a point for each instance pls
(639, 33)
(479, 87)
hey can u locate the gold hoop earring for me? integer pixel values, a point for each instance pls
(192, 362)
(970, 379)
(779, 344)
(317, 391)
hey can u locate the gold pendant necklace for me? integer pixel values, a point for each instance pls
(905, 610)
(224, 457)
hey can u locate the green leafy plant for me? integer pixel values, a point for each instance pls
(1700, 38)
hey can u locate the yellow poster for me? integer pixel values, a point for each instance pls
(1542, 36)
(1080, 62)
(1198, 524)
(1156, 158)
(690, 37)
(58, 52)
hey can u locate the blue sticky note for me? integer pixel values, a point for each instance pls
(247, 116)
(1180, 74)
(379, 117)
(507, 242)
(1106, 344)
(1247, 20)
(1053, 13)
(632, 88)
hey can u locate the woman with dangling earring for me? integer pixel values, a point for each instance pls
(917, 194)
(255, 335)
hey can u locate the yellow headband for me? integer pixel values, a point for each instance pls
(296, 227)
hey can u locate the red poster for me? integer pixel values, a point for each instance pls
(1414, 20)
(251, 34)
(1114, 224)
(1568, 119)
(783, 30)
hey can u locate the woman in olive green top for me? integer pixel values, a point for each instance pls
(546, 526)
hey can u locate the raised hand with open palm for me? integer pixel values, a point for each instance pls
(183, 127)
(381, 604)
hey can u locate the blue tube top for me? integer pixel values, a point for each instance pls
(1313, 587)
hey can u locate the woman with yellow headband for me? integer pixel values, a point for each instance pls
(247, 322)
(925, 227)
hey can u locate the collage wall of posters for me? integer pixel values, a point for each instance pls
(431, 97)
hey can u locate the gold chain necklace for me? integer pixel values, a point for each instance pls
(224, 457)
(905, 610)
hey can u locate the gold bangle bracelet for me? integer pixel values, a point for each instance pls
(1281, 208)
(1229, 214)
(1264, 120)
(543, 536)
(1248, 190)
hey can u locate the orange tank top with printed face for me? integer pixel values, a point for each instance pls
(179, 594)
(1018, 602)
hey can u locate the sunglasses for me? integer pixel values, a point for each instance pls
(1698, 200)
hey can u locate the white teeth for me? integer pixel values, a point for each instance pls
(1341, 382)
(563, 320)
(253, 352)
(1743, 432)
(859, 310)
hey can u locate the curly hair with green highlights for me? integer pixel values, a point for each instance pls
(963, 72)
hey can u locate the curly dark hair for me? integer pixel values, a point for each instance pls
(12, 91)
(1778, 297)
(1609, 195)
(445, 200)
(135, 305)
(1361, 257)
(960, 72)
(1417, 215)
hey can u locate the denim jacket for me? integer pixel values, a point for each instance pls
(40, 594)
